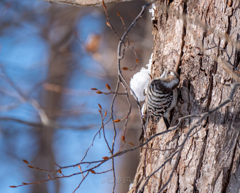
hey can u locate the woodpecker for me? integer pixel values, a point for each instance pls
(162, 96)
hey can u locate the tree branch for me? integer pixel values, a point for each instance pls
(80, 3)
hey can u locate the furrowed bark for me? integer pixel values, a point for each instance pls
(209, 161)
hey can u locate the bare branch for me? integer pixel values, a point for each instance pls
(80, 3)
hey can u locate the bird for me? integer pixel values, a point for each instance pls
(162, 97)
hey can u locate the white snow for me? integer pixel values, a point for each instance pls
(152, 10)
(130, 186)
(143, 109)
(140, 81)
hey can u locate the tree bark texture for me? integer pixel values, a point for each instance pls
(209, 162)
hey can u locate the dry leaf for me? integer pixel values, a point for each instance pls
(25, 161)
(103, 3)
(117, 120)
(108, 87)
(131, 143)
(125, 68)
(93, 43)
(106, 158)
(79, 167)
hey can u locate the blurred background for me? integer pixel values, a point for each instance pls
(50, 58)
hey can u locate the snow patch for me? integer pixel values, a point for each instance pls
(130, 186)
(140, 81)
(152, 10)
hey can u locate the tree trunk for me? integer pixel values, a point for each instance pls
(184, 36)
(58, 72)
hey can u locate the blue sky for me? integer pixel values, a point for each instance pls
(24, 56)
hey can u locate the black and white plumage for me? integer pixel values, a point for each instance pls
(162, 96)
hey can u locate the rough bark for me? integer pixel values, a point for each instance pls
(210, 159)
